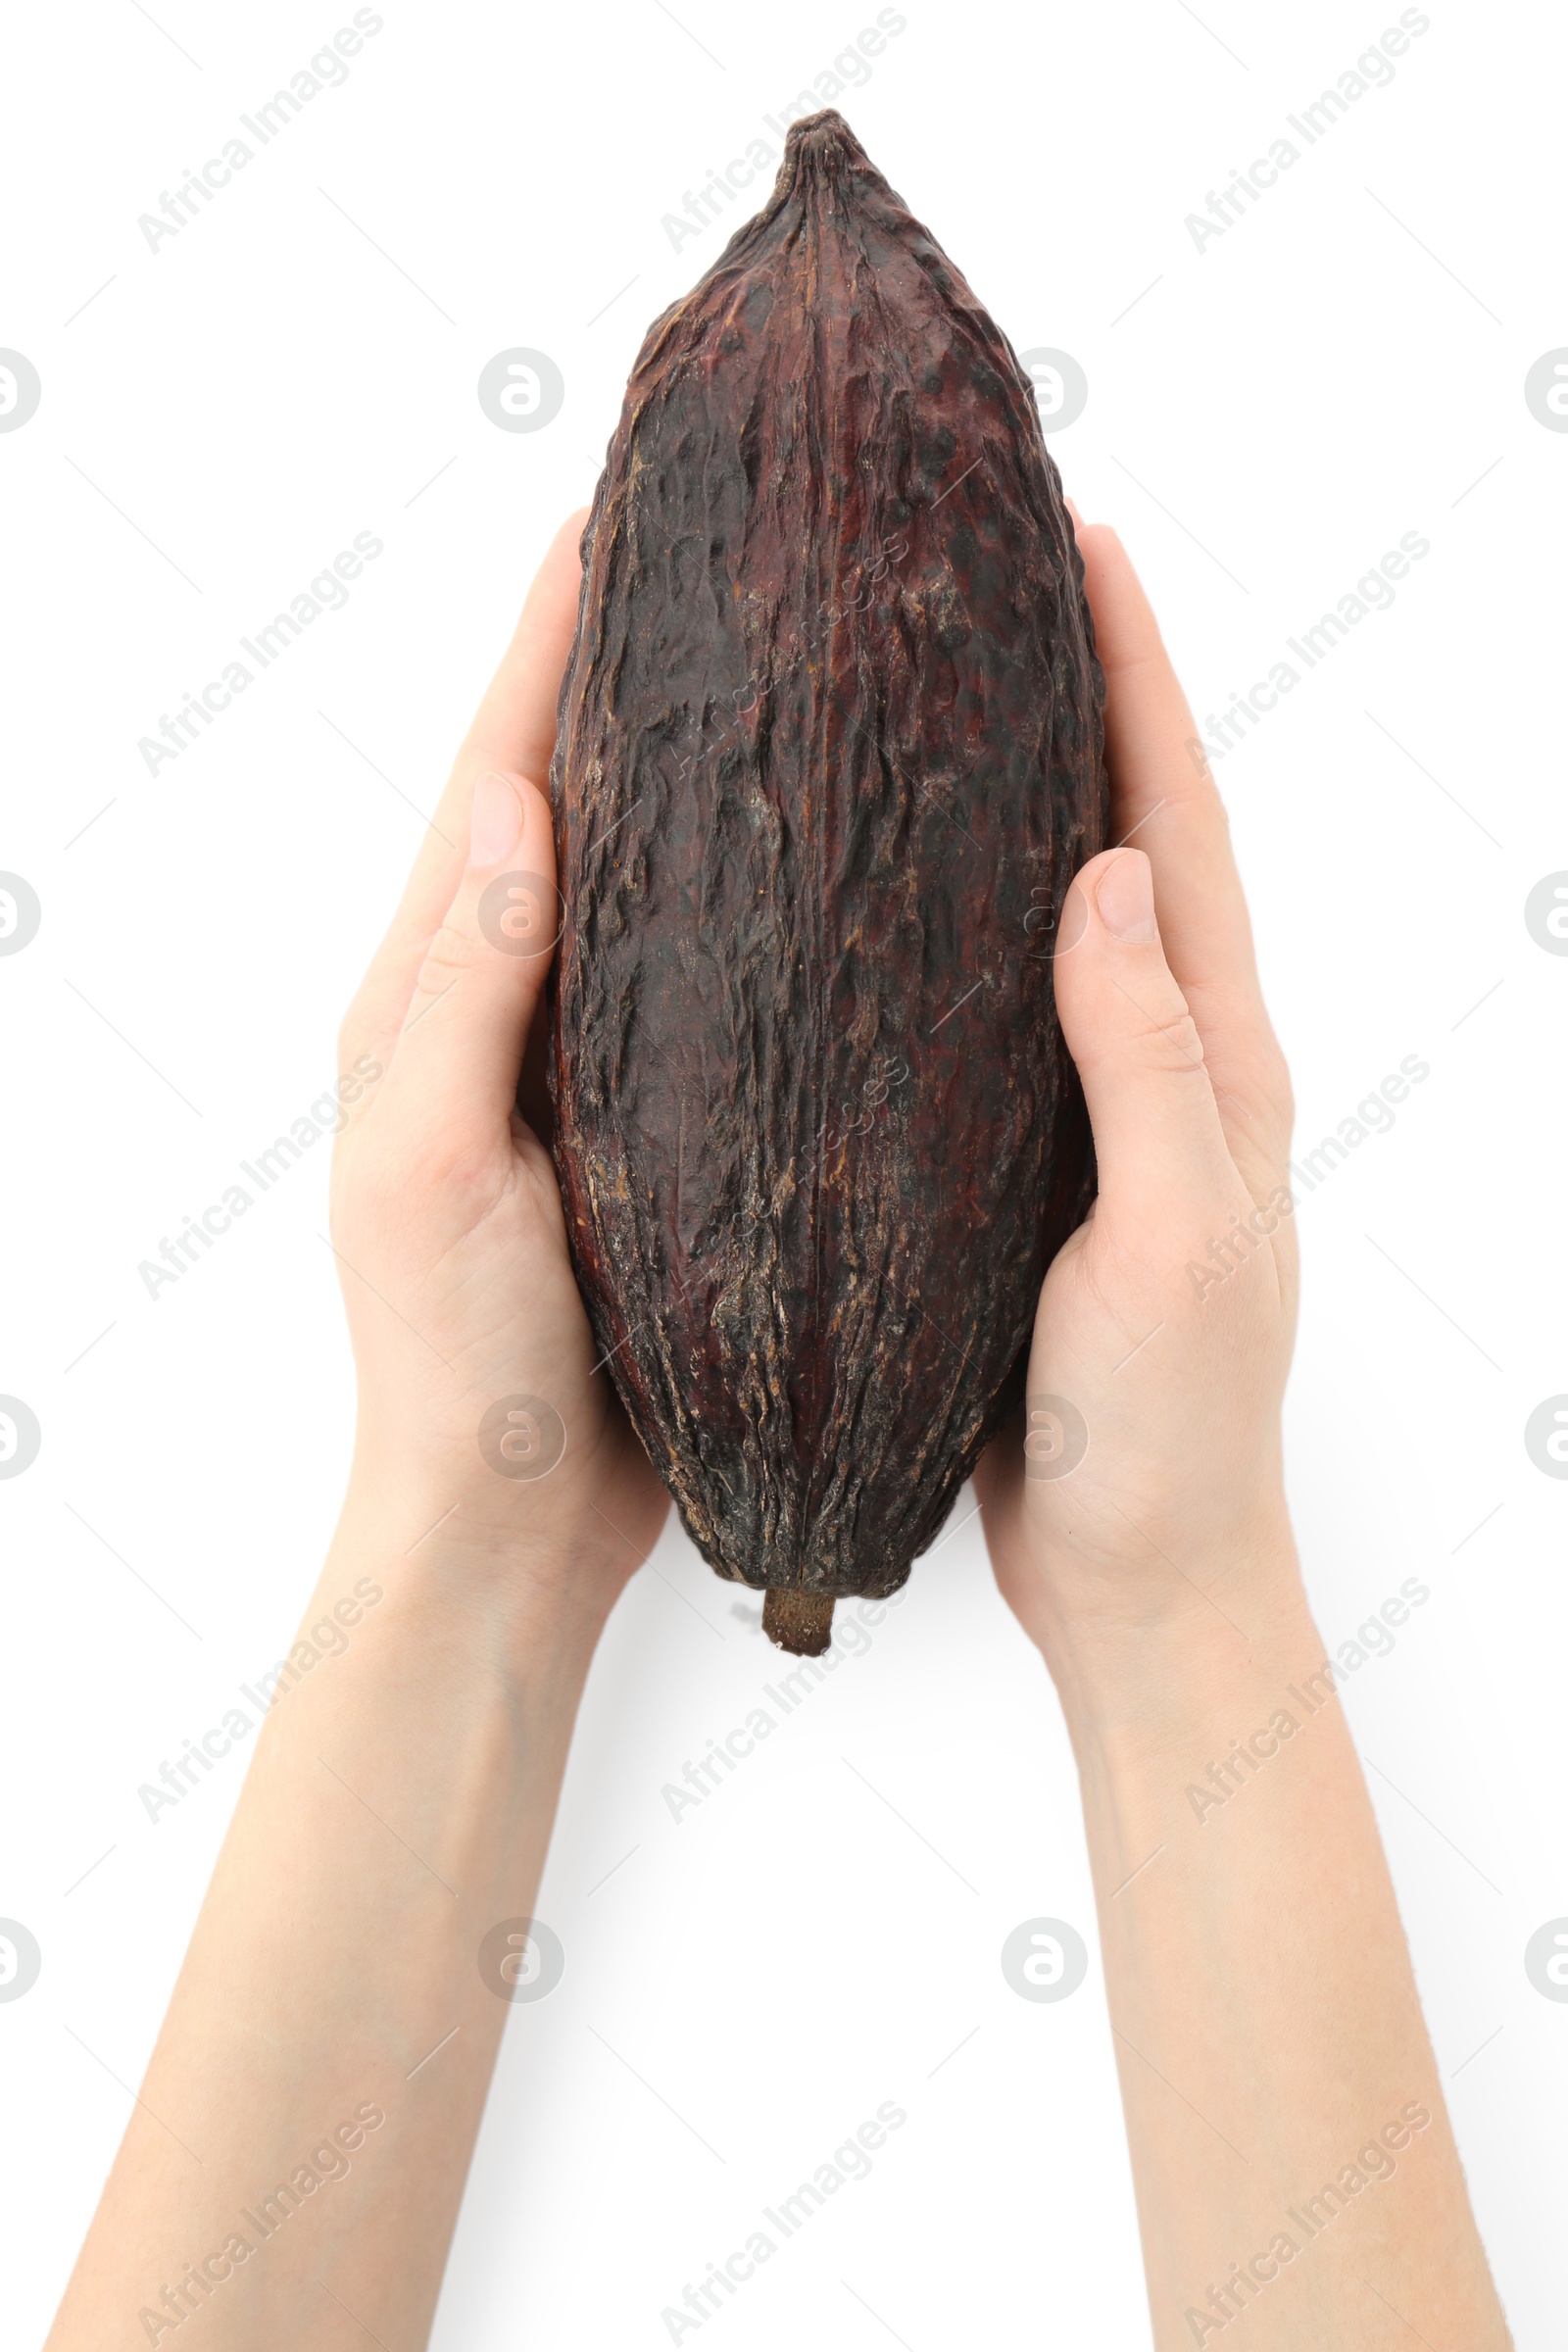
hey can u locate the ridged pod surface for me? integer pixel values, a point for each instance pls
(830, 750)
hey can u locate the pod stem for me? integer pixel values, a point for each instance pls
(801, 1622)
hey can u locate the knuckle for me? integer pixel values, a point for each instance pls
(1175, 1045)
(1194, 800)
(1281, 1093)
(1261, 1092)
(396, 1198)
(1162, 1031)
(456, 950)
(458, 1164)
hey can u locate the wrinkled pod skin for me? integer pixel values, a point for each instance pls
(830, 750)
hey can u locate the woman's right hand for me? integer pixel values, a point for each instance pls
(483, 1406)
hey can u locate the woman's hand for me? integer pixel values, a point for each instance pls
(1265, 2018)
(1145, 1487)
(482, 1403)
(406, 1774)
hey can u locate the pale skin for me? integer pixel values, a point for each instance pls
(1267, 2027)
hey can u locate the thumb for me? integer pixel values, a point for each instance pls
(460, 1046)
(1157, 1132)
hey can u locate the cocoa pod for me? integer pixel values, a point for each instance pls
(830, 749)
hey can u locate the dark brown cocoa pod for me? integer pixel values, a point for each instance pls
(830, 750)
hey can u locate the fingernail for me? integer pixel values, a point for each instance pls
(1074, 923)
(497, 819)
(1125, 896)
(1072, 508)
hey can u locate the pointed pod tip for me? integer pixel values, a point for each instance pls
(820, 146)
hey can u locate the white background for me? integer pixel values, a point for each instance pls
(1343, 365)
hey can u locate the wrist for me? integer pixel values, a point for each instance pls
(1137, 1680)
(528, 1603)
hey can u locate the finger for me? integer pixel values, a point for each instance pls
(453, 1069)
(515, 724)
(1164, 798)
(514, 732)
(1158, 1140)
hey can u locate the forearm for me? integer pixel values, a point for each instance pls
(397, 1809)
(1283, 2106)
